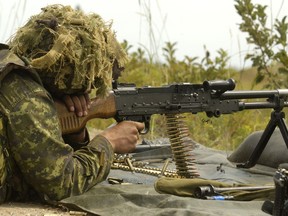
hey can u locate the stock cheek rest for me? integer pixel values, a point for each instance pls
(274, 154)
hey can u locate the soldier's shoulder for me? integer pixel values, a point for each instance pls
(8, 58)
(17, 86)
(9, 62)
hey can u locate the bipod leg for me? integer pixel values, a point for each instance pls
(275, 120)
(283, 129)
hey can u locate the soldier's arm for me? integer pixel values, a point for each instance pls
(47, 163)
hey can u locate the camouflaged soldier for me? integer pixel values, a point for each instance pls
(59, 53)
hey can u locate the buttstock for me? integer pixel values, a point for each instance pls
(103, 108)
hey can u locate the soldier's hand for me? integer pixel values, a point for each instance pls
(123, 136)
(79, 104)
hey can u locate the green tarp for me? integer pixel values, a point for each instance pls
(139, 197)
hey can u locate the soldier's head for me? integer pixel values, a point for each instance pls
(72, 51)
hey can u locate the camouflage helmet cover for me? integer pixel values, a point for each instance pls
(72, 51)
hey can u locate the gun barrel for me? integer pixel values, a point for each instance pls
(254, 94)
(259, 105)
(244, 188)
(210, 190)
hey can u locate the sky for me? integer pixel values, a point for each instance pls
(149, 24)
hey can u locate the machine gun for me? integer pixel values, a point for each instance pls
(127, 102)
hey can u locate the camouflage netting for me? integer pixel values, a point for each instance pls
(71, 51)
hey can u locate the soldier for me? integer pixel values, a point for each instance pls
(60, 53)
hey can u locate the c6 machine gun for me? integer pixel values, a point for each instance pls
(127, 102)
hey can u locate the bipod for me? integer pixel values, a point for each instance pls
(277, 119)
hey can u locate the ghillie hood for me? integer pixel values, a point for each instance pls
(72, 52)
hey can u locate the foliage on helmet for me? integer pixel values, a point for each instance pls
(72, 51)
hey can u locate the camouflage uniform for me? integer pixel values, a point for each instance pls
(41, 158)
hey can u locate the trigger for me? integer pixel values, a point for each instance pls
(146, 128)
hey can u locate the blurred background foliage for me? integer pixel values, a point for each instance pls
(270, 67)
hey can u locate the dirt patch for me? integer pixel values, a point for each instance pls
(35, 209)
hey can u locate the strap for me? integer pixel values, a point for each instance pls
(3, 157)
